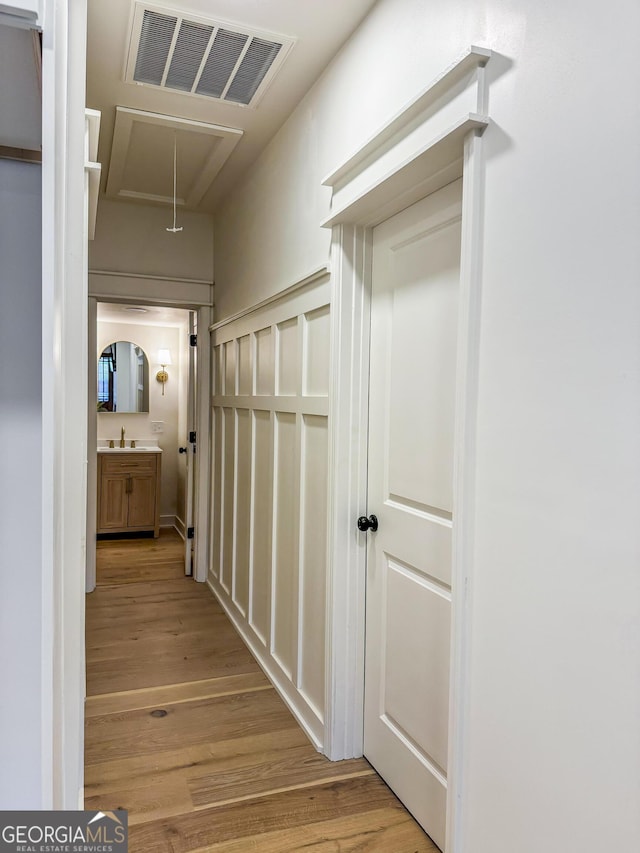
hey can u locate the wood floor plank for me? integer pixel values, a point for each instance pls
(162, 796)
(166, 571)
(381, 831)
(287, 810)
(162, 643)
(130, 560)
(265, 772)
(139, 619)
(192, 665)
(150, 697)
(159, 794)
(142, 635)
(106, 777)
(149, 616)
(147, 591)
(223, 718)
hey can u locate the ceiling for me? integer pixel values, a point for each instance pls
(142, 315)
(216, 140)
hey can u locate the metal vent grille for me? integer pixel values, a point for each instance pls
(187, 55)
(222, 60)
(253, 68)
(155, 43)
(200, 57)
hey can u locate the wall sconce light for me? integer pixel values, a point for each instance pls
(164, 358)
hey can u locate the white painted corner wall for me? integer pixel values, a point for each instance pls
(133, 258)
(269, 488)
(132, 238)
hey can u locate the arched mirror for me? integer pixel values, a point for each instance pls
(123, 379)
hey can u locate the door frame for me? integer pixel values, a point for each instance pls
(64, 401)
(431, 153)
(189, 544)
(201, 467)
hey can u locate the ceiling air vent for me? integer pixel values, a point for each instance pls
(211, 59)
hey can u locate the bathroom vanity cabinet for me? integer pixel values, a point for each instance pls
(129, 492)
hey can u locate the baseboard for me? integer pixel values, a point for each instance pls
(286, 691)
(179, 525)
(167, 521)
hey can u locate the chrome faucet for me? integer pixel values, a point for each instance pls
(122, 443)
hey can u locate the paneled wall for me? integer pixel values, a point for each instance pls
(269, 481)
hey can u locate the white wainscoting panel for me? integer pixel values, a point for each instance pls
(268, 566)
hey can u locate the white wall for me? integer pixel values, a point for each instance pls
(132, 238)
(134, 258)
(21, 479)
(20, 120)
(166, 409)
(552, 746)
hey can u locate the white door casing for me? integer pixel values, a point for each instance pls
(64, 402)
(414, 315)
(423, 148)
(201, 461)
(190, 454)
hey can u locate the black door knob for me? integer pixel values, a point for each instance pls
(182, 450)
(370, 523)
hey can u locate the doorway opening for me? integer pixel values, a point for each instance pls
(142, 414)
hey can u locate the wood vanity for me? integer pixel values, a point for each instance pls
(129, 491)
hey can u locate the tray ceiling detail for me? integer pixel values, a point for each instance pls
(141, 163)
(198, 56)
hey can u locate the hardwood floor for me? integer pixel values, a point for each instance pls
(185, 731)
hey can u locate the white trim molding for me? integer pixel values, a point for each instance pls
(348, 418)
(64, 402)
(415, 153)
(133, 288)
(180, 527)
(92, 168)
(201, 508)
(92, 444)
(146, 277)
(432, 141)
(304, 282)
(25, 16)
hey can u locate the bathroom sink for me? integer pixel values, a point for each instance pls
(139, 448)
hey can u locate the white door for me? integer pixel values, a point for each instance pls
(414, 318)
(189, 542)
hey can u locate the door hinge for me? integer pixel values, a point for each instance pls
(192, 437)
(193, 340)
(191, 532)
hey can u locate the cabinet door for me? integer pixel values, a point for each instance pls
(113, 502)
(142, 501)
